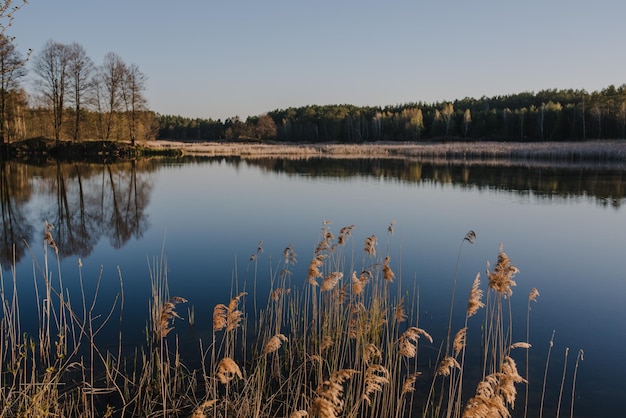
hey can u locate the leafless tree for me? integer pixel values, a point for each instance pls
(52, 66)
(81, 69)
(132, 89)
(110, 82)
(11, 70)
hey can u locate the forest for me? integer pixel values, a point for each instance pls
(548, 115)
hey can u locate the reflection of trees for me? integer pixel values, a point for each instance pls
(94, 200)
(84, 202)
(128, 198)
(14, 194)
(607, 185)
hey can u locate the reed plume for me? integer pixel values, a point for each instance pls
(388, 274)
(459, 340)
(375, 377)
(501, 279)
(228, 317)
(227, 369)
(328, 402)
(274, 343)
(201, 410)
(344, 234)
(409, 383)
(398, 313)
(495, 392)
(370, 245)
(167, 315)
(408, 341)
(277, 293)
(331, 280)
(371, 352)
(359, 283)
(475, 298)
(314, 269)
(47, 237)
(447, 364)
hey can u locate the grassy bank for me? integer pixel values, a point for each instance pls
(341, 342)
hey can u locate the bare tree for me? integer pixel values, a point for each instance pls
(7, 10)
(52, 67)
(132, 88)
(111, 79)
(11, 70)
(81, 69)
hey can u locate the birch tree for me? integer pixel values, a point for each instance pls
(467, 120)
(447, 112)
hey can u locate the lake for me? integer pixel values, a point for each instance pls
(563, 228)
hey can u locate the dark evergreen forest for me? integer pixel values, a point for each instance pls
(549, 115)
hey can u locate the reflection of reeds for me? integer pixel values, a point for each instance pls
(326, 349)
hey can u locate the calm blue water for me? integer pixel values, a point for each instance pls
(564, 230)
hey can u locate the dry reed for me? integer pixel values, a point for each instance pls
(352, 350)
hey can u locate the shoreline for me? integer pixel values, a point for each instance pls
(602, 153)
(597, 153)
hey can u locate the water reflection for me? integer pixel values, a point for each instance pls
(606, 185)
(84, 202)
(15, 192)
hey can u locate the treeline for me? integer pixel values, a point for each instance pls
(549, 115)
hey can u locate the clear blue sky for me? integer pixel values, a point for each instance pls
(217, 59)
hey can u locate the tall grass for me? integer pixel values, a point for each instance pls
(345, 341)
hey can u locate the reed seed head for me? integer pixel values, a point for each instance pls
(228, 317)
(388, 274)
(274, 343)
(470, 237)
(200, 411)
(167, 315)
(331, 280)
(459, 340)
(277, 293)
(370, 245)
(375, 377)
(408, 341)
(371, 352)
(475, 298)
(501, 279)
(314, 269)
(520, 345)
(359, 283)
(227, 369)
(447, 365)
(409, 383)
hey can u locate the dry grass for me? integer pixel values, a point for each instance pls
(483, 152)
(329, 349)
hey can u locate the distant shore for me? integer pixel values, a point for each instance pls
(611, 152)
(600, 152)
